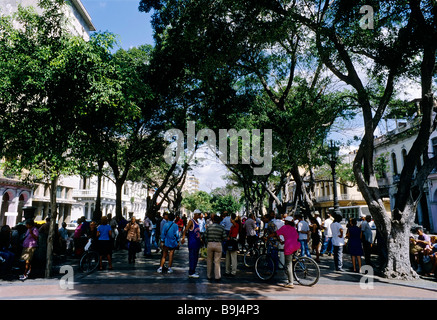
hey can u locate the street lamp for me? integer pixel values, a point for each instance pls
(333, 158)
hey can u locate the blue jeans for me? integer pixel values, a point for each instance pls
(274, 254)
(153, 239)
(147, 243)
(304, 250)
(327, 244)
(193, 257)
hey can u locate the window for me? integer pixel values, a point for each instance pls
(59, 192)
(394, 163)
(404, 156)
(434, 146)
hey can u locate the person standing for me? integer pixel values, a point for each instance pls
(272, 242)
(303, 229)
(30, 244)
(338, 242)
(291, 244)
(133, 238)
(354, 244)
(231, 253)
(104, 236)
(251, 228)
(227, 224)
(169, 241)
(327, 243)
(214, 235)
(63, 235)
(367, 238)
(194, 243)
(315, 237)
(148, 225)
(202, 228)
(92, 235)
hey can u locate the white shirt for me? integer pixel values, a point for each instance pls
(304, 227)
(335, 229)
(278, 222)
(328, 232)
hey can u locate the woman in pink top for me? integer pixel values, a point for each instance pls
(288, 235)
(30, 244)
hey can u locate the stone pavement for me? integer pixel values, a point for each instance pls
(140, 281)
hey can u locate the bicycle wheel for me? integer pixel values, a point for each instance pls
(250, 257)
(306, 271)
(89, 262)
(264, 267)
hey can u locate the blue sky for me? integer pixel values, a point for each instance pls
(122, 18)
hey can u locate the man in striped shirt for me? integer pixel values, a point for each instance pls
(215, 234)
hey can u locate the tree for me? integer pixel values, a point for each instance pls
(225, 203)
(249, 69)
(403, 33)
(199, 200)
(46, 76)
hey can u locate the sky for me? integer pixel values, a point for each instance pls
(122, 18)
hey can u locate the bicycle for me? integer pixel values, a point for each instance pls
(252, 253)
(89, 261)
(306, 271)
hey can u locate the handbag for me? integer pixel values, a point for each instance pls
(231, 245)
(204, 252)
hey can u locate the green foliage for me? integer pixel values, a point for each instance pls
(199, 200)
(225, 203)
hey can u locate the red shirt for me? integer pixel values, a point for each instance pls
(233, 233)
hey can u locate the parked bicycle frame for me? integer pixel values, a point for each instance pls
(305, 270)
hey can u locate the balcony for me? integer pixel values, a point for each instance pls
(350, 197)
(91, 194)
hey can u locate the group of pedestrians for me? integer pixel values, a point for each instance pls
(359, 240)
(220, 235)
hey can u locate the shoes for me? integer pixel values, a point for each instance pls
(159, 270)
(288, 285)
(23, 277)
(340, 269)
(170, 270)
(194, 275)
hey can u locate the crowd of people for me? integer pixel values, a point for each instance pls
(215, 236)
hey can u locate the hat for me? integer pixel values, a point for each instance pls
(289, 218)
(197, 211)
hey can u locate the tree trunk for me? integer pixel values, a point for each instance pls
(302, 191)
(118, 196)
(53, 218)
(97, 214)
(398, 259)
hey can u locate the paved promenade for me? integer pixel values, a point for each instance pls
(141, 281)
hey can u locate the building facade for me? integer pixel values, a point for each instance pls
(15, 194)
(392, 149)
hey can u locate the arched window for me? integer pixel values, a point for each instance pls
(394, 163)
(404, 157)
(4, 208)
